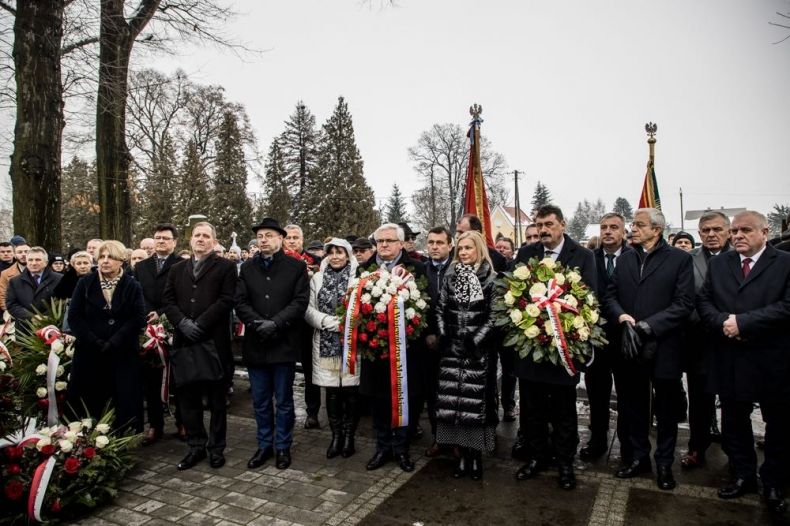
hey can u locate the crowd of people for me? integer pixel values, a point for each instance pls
(715, 312)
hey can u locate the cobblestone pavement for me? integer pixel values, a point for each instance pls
(340, 491)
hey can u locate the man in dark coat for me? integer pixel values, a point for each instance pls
(714, 230)
(375, 375)
(271, 298)
(598, 377)
(293, 245)
(746, 301)
(33, 288)
(198, 300)
(6, 255)
(440, 247)
(152, 274)
(653, 290)
(547, 392)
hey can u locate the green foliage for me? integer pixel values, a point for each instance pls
(623, 207)
(541, 196)
(277, 202)
(395, 209)
(776, 216)
(80, 204)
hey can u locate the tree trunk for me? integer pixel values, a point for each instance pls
(112, 154)
(35, 162)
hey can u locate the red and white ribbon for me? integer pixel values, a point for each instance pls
(399, 381)
(6, 354)
(38, 488)
(553, 304)
(52, 376)
(49, 334)
(157, 341)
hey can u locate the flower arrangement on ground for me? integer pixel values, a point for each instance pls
(549, 315)
(63, 471)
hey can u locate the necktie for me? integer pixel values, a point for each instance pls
(267, 263)
(160, 262)
(37, 277)
(549, 254)
(747, 267)
(609, 264)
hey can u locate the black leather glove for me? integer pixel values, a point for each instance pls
(649, 343)
(265, 328)
(644, 331)
(190, 329)
(472, 349)
(102, 346)
(630, 343)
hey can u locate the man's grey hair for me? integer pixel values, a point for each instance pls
(611, 215)
(390, 226)
(710, 215)
(762, 221)
(656, 217)
(294, 227)
(39, 250)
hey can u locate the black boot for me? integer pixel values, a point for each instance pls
(334, 414)
(462, 467)
(350, 422)
(475, 464)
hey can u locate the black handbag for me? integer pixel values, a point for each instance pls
(196, 362)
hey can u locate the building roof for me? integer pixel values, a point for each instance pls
(510, 214)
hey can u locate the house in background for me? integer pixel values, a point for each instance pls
(503, 222)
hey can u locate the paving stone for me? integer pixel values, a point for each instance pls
(210, 492)
(334, 495)
(198, 519)
(200, 504)
(301, 488)
(269, 481)
(241, 500)
(149, 506)
(233, 513)
(125, 516)
(170, 496)
(171, 513)
(145, 489)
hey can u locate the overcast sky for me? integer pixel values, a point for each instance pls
(566, 88)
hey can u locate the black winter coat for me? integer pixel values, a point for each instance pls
(207, 299)
(153, 281)
(281, 294)
(114, 375)
(24, 294)
(465, 330)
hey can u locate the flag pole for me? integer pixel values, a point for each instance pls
(650, 197)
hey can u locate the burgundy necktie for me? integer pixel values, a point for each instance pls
(746, 267)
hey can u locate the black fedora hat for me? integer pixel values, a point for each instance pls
(271, 224)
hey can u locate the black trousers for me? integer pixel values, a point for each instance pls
(507, 394)
(431, 384)
(635, 389)
(152, 376)
(702, 408)
(312, 393)
(598, 381)
(190, 398)
(738, 438)
(543, 404)
(388, 438)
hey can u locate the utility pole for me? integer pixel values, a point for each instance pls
(682, 226)
(517, 204)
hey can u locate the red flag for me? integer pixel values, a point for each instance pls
(475, 199)
(649, 197)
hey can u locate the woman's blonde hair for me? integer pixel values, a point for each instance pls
(480, 246)
(115, 249)
(81, 254)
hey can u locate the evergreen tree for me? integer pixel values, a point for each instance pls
(193, 185)
(299, 146)
(395, 209)
(80, 198)
(541, 197)
(231, 210)
(159, 194)
(775, 217)
(341, 201)
(586, 213)
(623, 207)
(277, 201)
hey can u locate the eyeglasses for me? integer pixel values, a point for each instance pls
(387, 241)
(162, 238)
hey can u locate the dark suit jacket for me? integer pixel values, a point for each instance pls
(434, 287)
(207, 299)
(612, 330)
(280, 294)
(659, 291)
(23, 293)
(154, 282)
(758, 364)
(572, 255)
(375, 375)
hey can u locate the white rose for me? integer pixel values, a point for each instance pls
(414, 294)
(57, 346)
(532, 331)
(61, 386)
(41, 370)
(559, 278)
(412, 285)
(509, 298)
(70, 351)
(369, 285)
(578, 322)
(584, 334)
(70, 435)
(43, 442)
(75, 426)
(570, 300)
(60, 370)
(515, 316)
(2, 365)
(41, 392)
(548, 263)
(538, 289)
(102, 440)
(364, 274)
(549, 329)
(365, 298)
(593, 316)
(421, 304)
(410, 313)
(386, 298)
(590, 298)
(44, 431)
(382, 284)
(376, 291)
(87, 423)
(397, 281)
(532, 310)
(521, 273)
(574, 277)
(65, 446)
(392, 289)
(380, 307)
(404, 294)
(103, 428)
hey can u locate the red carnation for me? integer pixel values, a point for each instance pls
(522, 303)
(416, 320)
(409, 330)
(48, 450)
(89, 452)
(366, 308)
(14, 452)
(370, 326)
(385, 356)
(71, 465)
(43, 403)
(381, 317)
(14, 490)
(374, 343)
(14, 469)
(363, 337)
(56, 507)
(382, 333)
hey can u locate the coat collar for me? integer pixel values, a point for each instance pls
(207, 263)
(766, 260)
